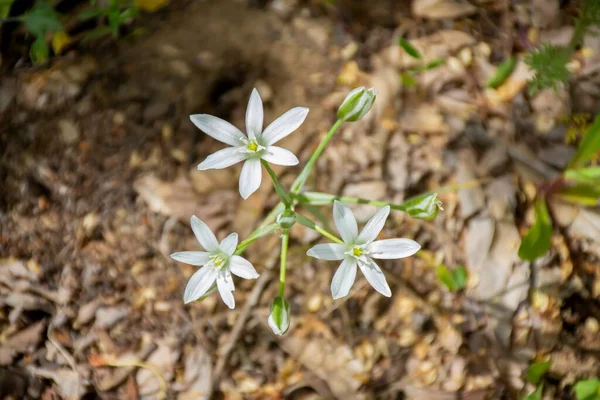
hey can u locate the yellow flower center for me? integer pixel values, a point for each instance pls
(357, 251)
(252, 146)
(219, 262)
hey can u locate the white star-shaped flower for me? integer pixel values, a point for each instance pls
(218, 263)
(360, 249)
(257, 145)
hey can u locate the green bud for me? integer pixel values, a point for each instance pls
(286, 219)
(356, 104)
(279, 318)
(424, 207)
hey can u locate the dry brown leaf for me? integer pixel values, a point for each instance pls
(442, 9)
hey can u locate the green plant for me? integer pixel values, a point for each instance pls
(549, 61)
(578, 184)
(408, 77)
(116, 13)
(535, 374)
(454, 279)
(588, 389)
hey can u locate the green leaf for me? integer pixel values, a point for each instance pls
(587, 389)
(537, 370)
(39, 51)
(409, 48)
(454, 279)
(5, 6)
(425, 206)
(279, 317)
(96, 33)
(408, 79)
(92, 13)
(589, 145)
(503, 71)
(586, 174)
(42, 19)
(539, 238)
(550, 65)
(586, 194)
(537, 394)
(438, 62)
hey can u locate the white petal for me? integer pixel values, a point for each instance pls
(284, 125)
(223, 158)
(197, 258)
(328, 251)
(345, 222)
(241, 267)
(225, 287)
(218, 129)
(229, 244)
(204, 235)
(374, 226)
(199, 284)
(254, 115)
(279, 156)
(375, 277)
(344, 278)
(393, 248)
(250, 177)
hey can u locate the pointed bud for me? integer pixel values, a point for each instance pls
(279, 318)
(286, 219)
(356, 104)
(424, 207)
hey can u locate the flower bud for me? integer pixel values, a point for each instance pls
(286, 219)
(356, 104)
(279, 317)
(424, 207)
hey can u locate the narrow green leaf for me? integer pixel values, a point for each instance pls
(409, 48)
(5, 6)
(589, 145)
(539, 238)
(97, 33)
(503, 71)
(438, 62)
(537, 394)
(587, 389)
(586, 174)
(537, 370)
(408, 79)
(586, 194)
(92, 13)
(39, 50)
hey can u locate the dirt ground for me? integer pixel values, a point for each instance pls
(98, 181)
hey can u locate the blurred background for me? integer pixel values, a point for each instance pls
(98, 180)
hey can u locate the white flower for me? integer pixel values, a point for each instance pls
(218, 263)
(257, 145)
(360, 249)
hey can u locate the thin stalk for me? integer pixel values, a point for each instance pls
(302, 220)
(258, 233)
(301, 179)
(281, 192)
(282, 266)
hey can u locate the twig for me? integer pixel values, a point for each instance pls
(238, 329)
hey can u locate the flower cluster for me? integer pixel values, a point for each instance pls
(256, 148)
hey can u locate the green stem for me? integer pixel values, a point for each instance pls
(258, 233)
(301, 179)
(282, 266)
(281, 192)
(302, 220)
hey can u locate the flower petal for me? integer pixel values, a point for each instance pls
(279, 156)
(393, 248)
(284, 125)
(345, 222)
(229, 244)
(204, 235)
(254, 115)
(328, 251)
(374, 226)
(199, 284)
(197, 258)
(241, 267)
(344, 278)
(250, 177)
(226, 288)
(223, 158)
(218, 129)
(375, 277)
